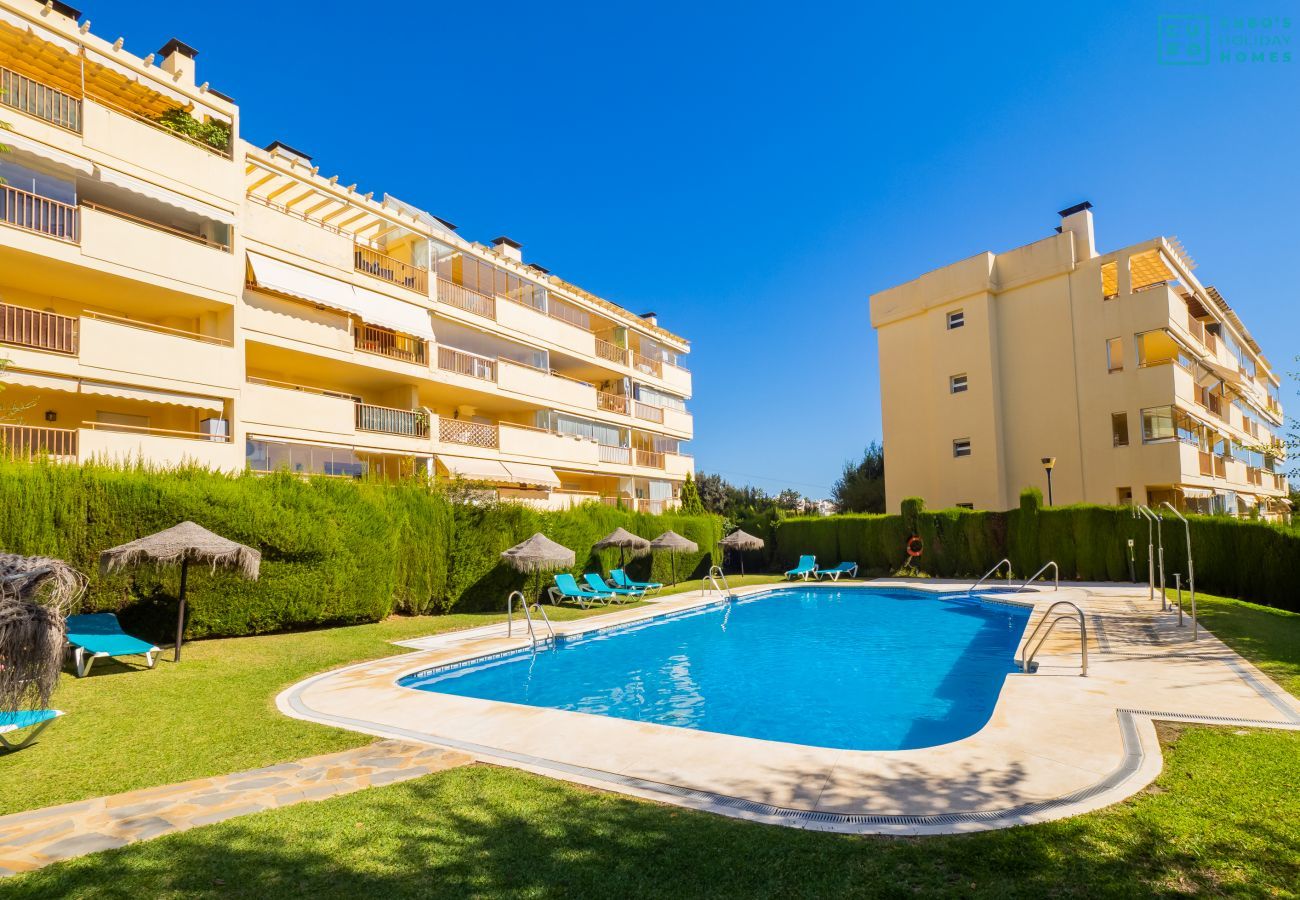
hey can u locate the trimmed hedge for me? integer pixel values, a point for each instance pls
(1236, 558)
(333, 551)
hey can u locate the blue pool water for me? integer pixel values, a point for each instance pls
(853, 669)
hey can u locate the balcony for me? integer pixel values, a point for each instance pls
(37, 330)
(617, 455)
(539, 443)
(543, 386)
(143, 348)
(613, 403)
(386, 420)
(165, 448)
(647, 412)
(28, 442)
(39, 100)
(468, 434)
(568, 313)
(611, 353)
(384, 342)
(124, 241)
(648, 366)
(41, 215)
(470, 365)
(394, 271)
(282, 405)
(649, 459)
(470, 301)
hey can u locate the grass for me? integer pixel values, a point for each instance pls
(212, 714)
(1223, 818)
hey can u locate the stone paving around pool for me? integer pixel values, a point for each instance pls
(37, 838)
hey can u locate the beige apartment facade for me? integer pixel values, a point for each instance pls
(173, 294)
(1140, 383)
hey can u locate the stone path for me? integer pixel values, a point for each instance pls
(29, 840)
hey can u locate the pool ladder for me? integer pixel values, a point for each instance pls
(532, 630)
(715, 572)
(1056, 579)
(987, 575)
(1031, 649)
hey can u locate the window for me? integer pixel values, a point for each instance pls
(961, 447)
(1119, 428)
(956, 319)
(957, 384)
(1124, 495)
(965, 505)
(1109, 281)
(1158, 424)
(1115, 355)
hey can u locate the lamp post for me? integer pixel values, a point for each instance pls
(1049, 463)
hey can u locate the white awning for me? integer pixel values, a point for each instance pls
(164, 196)
(1250, 501)
(526, 473)
(381, 309)
(474, 469)
(1196, 493)
(148, 395)
(296, 282)
(49, 154)
(39, 381)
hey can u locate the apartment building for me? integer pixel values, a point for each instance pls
(1137, 383)
(171, 293)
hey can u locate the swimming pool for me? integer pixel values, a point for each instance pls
(854, 669)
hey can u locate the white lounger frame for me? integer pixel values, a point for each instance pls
(85, 660)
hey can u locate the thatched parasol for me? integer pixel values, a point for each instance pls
(674, 543)
(183, 544)
(624, 540)
(536, 555)
(741, 541)
(36, 594)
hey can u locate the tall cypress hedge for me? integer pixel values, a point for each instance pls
(1238, 558)
(333, 551)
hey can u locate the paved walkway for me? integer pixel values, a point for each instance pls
(33, 839)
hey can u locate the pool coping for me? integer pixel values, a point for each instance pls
(1137, 749)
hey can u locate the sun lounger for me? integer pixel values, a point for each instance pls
(807, 566)
(36, 720)
(847, 569)
(94, 635)
(568, 589)
(596, 583)
(620, 579)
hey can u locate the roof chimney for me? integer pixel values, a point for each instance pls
(62, 9)
(178, 61)
(1077, 220)
(508, 248)
(651, 317)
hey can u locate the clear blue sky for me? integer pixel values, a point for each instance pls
(754, 171)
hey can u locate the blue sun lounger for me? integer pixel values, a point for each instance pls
(568, 589)
(35, 719)
(807, 566)
(620, 579)
(596, 583)
(95, 635)
(847, 569)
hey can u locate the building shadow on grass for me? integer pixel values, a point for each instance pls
(485, 832)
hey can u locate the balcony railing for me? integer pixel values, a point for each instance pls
(620, 455)
(394, 271)
(27, 442)
(32, 212)
(38, 330)
(607, 351)
(386, 420)
(159, 432)
(40, 100)
(469, 364)
(648, 412)
(650, 459)
(464, 298)
(385, 342)
(1205, 461)
(612, 403)
(653, 507)
(649, 366)
(469, 434)
(621, 502)
(566, 312)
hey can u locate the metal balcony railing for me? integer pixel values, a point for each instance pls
(470, 301)
(38, 330)
(40, 100)
(470, 364)
(32, 212)
(386, 420)
(385, 342)
(394, 271)
(612, 402)
(27, 442)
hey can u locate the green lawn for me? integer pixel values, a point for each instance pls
(1223, 819)
(214, 713)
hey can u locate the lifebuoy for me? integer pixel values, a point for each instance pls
(915, 546)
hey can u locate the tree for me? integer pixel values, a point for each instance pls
(861, 486)
(788, 499)
(713, 493)
(691, 503)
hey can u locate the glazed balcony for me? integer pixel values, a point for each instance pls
(394, 271)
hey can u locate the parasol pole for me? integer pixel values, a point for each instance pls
(180, 614)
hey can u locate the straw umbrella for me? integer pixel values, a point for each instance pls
(741, 541)
(674, 543)
(624, 540)
(36, 594)
(536, 555)
(183, 544)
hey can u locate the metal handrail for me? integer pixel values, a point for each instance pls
(715, 572)
(987, 574)
(523, 602)
(1056, 580)
(1145, 512)
(1028, 657)
(1191, 570)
